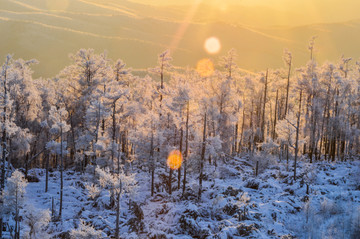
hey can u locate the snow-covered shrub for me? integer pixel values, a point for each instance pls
(252, 183)
(264, 160)
(32, 179)
(164, 182)
(217, 205)
(287, 237)
(188, 224)
(355, 223)
(190, 227)
(357, 176)
(93, 191)
(243, 230)
(190, 193)
(37, 221)
(309, 176)
(245, 198)
(157, 235)
(230, 191)
(269, 147)
(329, 207)
(85, 231)
(242, 205)
(135, 223)
(226, 172)
(113, 183)
(230, 209)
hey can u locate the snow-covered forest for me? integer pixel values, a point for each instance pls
(271, 154)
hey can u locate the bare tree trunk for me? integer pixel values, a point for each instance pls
(16, 212)
(335, 128)
(287, 154)
(113, 134)
(61, 173)
(4, 136)
(3, 142)
(251, 128)
(72, 136)
(152, 160)
(186, 145)
(181, 148)
(235, 137)
(275, 116)
(117, 223)
(242, 130)
(170, 169)
(297, 136)
(263, 108)
(202, 159)
(161, 81)
(170, 178)
(47, 172)
(322, 136)
(287, 90)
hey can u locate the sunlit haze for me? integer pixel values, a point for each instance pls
(193, 30)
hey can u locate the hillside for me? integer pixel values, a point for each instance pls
(47, 33)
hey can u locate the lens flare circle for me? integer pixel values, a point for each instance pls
(205, 67)
(212, 45)
(174, 159)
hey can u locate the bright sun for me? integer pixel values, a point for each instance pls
(212, 45)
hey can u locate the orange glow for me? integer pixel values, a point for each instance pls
(205, 67)
(212, 45)
(174, 160)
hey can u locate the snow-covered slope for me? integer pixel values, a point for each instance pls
(234, 204)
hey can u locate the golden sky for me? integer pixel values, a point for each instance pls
(313, 11)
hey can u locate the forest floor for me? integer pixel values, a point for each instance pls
(234, 203)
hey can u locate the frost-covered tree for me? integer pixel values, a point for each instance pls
(116, 184)
(85, 231)
(180, 92)
(286, 131)
(15, 100)
(13, 199)
(229, 102)
(164, 66)
(204, 107)
(36, 220)
(59, 127)
(150, 139)
(288, 61)
(81, 84)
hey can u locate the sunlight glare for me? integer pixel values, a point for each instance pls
(205, 67)
(174, 160)
(184, 25)
(212, 45)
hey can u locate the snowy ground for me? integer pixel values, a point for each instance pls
(234, 204)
